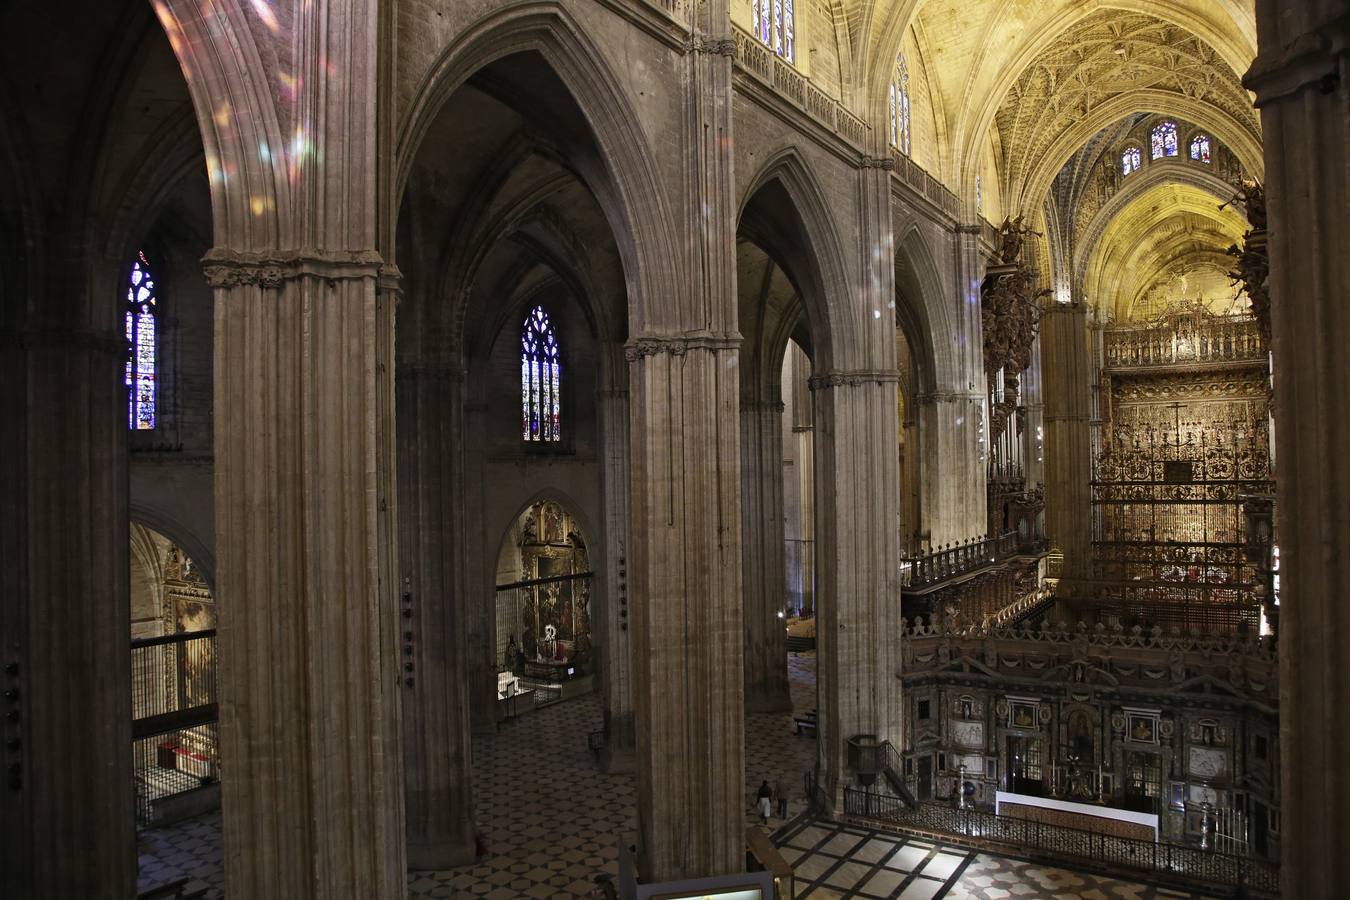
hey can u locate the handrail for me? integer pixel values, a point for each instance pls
(1024, 606)
(1029, 836)
(951, 560)
(178, 637)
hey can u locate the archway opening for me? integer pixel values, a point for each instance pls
(175, 746)
(543, 638)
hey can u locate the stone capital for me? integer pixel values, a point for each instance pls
(852, 378)
(886, 163)
(1309, 60)
(932, 397)
(226, 268)
(679, 344)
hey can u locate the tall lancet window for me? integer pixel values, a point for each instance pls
(540, 379)
(774, 26)
(1200, 148)
(1164, 140)
(899, 104)
(141, 310)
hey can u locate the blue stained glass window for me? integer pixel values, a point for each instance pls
(540, 379)
(1200, 148)
(1130, 160)
(140, 376)
(775, 27)
(1164, 140)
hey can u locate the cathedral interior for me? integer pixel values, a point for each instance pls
(674, 448)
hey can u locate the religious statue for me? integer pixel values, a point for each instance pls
(1253, 197)
(1010, 234)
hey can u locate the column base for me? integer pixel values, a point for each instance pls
(618, 760)
(440, 855)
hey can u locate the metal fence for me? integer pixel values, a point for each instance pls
(174, 726)
(1161, 861)
(170, 765)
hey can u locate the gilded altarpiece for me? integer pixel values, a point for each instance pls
(1184, 436)
(553, 617)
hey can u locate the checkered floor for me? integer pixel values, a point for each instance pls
(531, 853)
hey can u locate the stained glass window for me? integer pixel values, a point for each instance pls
(141, 310)
(774, 26)
(1200, 148)
(1164, 140)
(899, 106)
(1129, 160)
(540, 385)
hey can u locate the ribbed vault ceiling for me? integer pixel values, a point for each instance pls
(1167, 242)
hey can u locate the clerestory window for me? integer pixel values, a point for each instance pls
(142, 308)
(540, 379)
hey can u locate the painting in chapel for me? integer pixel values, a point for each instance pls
(554, 616)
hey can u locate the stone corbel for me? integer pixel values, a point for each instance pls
(886, 163)
(271, 269)
(1309, 60)
(719, 46)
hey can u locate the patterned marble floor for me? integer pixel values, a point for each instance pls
(831, 860)
(551, 820)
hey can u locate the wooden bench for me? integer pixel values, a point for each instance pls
(806, 722)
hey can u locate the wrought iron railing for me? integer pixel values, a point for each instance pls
(1163, 862)
(175, 711)
(173, 673)
(951, 560)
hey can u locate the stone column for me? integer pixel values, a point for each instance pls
(685, 589)
(763, 565)
(614, 627)
(858, 559)
(799, 494)
(313, 775)
(1301, 78)
(436, 723)
(66, 818)
(1033, 438)
(952, 465)
(1066, 391)
(476, 581)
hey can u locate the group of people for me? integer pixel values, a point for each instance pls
(765, 798)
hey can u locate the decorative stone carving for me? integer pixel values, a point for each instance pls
(840, 379)
(678, 344)
(230, 268)
(1008, 316)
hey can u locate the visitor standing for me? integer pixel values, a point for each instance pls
(764, 793)
(781, 794)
